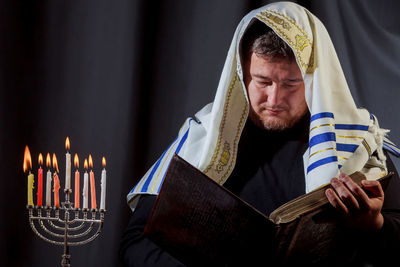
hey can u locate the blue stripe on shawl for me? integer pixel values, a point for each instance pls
(176, 151)
(392, 148)
(390, 144)
(321, 162)
(182, 141)
(346, 147)
(147, 182)
(320, 138)
(351, 127)
(321, 115)
(371, 116)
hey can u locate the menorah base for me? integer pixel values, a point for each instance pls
(65, 262)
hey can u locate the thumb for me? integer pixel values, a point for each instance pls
(374, 188)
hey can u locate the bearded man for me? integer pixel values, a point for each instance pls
(283, 123)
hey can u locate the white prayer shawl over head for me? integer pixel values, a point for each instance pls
(342, 137)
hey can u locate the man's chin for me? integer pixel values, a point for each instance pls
(271, 124)
(275, 125)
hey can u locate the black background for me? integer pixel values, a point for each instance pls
(120, 77)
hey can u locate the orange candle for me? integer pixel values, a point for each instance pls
(76, 163)
(92, 187)
(40, 182)
(56, 185)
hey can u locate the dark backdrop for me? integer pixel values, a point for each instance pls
(119, 78)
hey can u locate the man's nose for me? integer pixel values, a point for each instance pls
(273, 94)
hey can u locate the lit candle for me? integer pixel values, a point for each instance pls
(56, 185)
(92, 187)
(48, 181)
(85, 193)
(76, 163)
(28, 165)
(68, 166)
(40, 181)
(103, 185)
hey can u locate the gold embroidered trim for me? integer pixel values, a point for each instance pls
(364, 142)
(322, 125)
(295, 36)
(331, 148)
(221, 129)
(344, 136)
(367, 147)
(235, 142)
(222, 125)
(225, 156)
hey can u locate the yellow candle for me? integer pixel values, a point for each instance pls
(30, 189)
(28, 166)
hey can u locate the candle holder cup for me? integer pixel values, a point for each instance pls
(66, 225)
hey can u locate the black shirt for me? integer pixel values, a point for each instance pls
(269, 169)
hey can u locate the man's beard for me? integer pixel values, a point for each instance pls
(275, 124)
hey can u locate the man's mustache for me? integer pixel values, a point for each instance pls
(274, 107)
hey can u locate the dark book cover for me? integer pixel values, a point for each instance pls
(201, 223)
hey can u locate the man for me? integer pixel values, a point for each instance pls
(282, 124)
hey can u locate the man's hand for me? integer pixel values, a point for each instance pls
(361, 209)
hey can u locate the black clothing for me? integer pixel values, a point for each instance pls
(269, 170)
(268, 173)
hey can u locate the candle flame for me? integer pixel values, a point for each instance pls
(90, 161)
(85, 165)
(76, 161)
(55, 165)
(48, 160)
(67, 143)
(27, 159)
(103, 162)
(40, 160)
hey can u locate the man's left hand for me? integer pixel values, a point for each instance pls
(361, 209)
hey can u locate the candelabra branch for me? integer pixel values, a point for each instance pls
(73, 228)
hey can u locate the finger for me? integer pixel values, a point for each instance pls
(374, 188)
(358, 193)
(335, 201)
(344, 194)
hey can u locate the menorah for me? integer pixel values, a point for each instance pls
(66, 226)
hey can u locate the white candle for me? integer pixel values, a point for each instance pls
(68, 171)
(103, 190)
(68, 165)
(48, 189)
(85, 192)
(48, 181)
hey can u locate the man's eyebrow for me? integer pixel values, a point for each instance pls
(261, 76)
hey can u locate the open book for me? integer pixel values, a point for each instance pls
(201, 223)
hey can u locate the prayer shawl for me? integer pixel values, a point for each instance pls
(342, 137)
